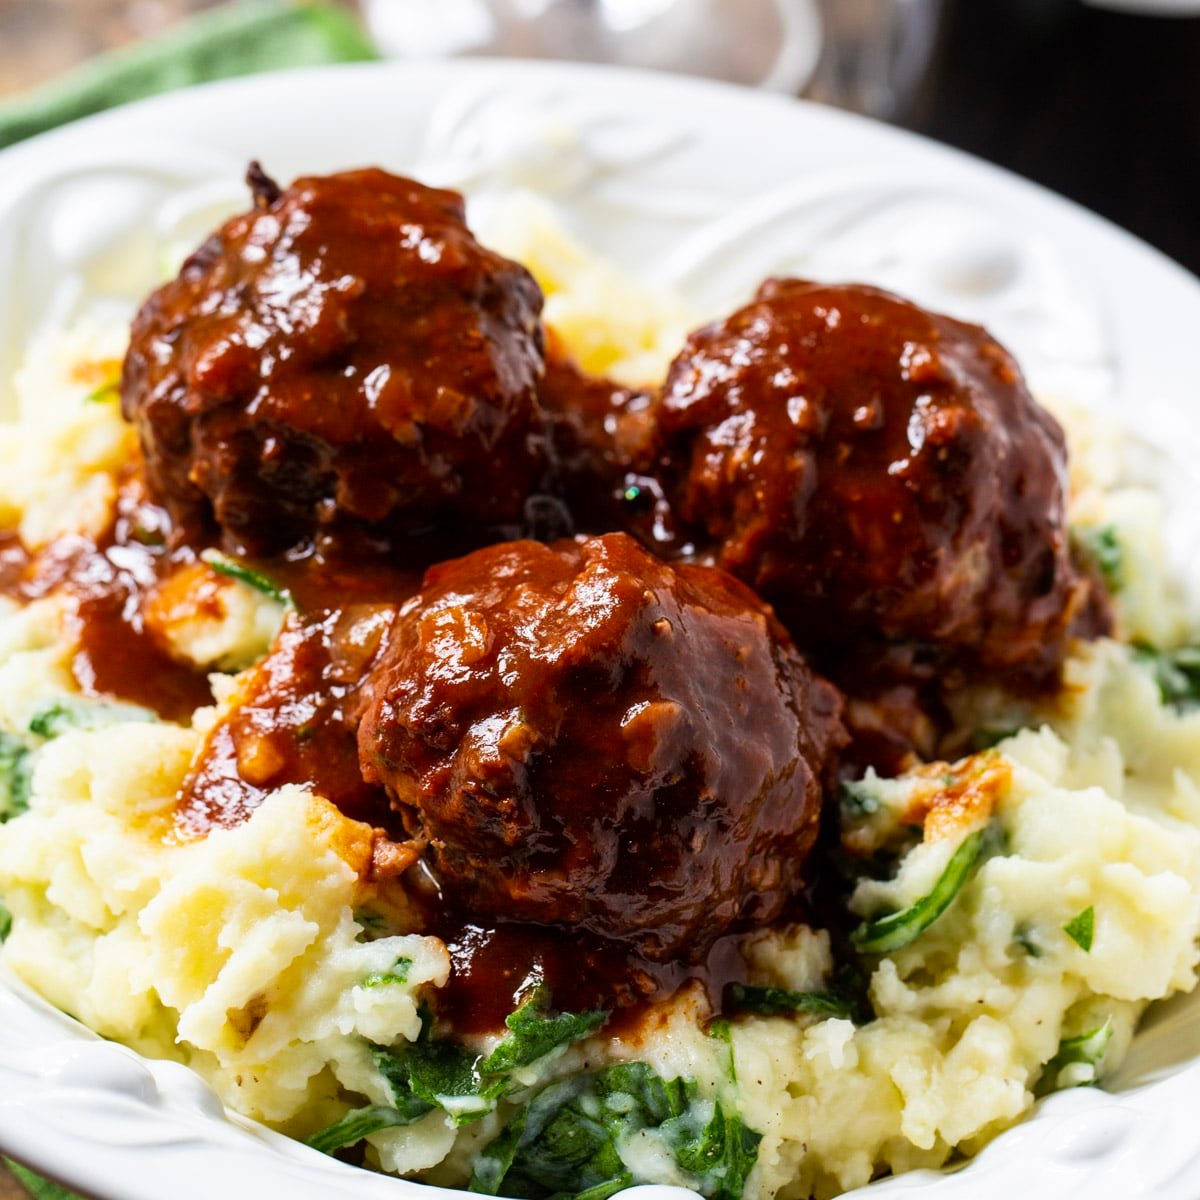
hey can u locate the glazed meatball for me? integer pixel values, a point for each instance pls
(881, 475)
(591, 738)
(345, 357)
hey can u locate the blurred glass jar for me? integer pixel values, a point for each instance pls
(861, 54)
(875, 53)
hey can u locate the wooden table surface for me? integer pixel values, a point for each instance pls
(10, 1189)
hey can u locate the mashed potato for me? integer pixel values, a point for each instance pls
(1048, 888)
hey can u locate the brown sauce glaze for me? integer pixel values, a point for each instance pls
(116, 654)
(14, 563)
(117, 658)
(295, 722)
(493, 967)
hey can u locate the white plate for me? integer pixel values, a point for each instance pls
(695, 184)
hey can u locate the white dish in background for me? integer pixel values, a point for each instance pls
(685, 182)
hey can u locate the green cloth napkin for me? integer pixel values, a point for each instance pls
(235, 39)
(36, 1186)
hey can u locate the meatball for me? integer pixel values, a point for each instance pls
(588, 737)
(881, 475)
(343, 358)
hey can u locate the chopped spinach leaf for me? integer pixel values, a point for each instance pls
(722, 1030)
(721, 1154)
(465, 1085)
(15, 776)
(775, 1002)
(431, 1073)
(1102, 546)
(1176, 672)
(602, 1191)
(1080, 929)
(660, 1099)
(396, 1075)
(1087, 1049)
(405, 1108)
(249, 576)
(495, 1160)
(355, 1126)
(5, 922)
(898, 929)
(449, 1076)
(844, 997)
(398, 973)
(565, 1142)
(70, 713)
(535, 1033)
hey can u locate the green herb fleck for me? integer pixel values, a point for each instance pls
(898, 929)
(373, 925)
(1080, 929)
(1023, 937)
(776, 1002)
(249, 576)
(988, 736)
(15, 777)
(106, 392)
(68, 714)
(397, 974)
(147, 536)
(5, 922)
(1088, 1049)
(1102, 546)
(857, 800)
(1177, 673)
(355, 1126)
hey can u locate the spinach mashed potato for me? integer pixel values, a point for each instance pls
(506, 741)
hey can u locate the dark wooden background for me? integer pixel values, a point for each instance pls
(1101, 106)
